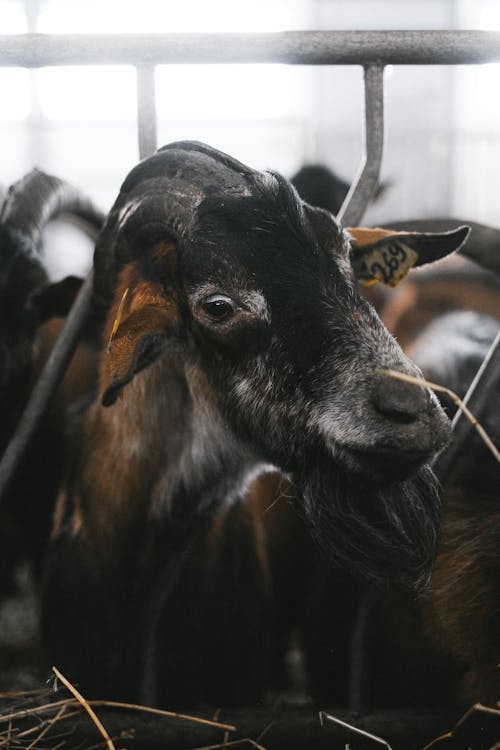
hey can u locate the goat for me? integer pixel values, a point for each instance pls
(462, 282)
(461, 608)
(321, 187)
(446, 318)
(239, 358)
(29, 306)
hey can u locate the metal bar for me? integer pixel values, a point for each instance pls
(146, 111)
(46, 385)
(359, 692)
(477, 399)
(363, 188)
(294, 47)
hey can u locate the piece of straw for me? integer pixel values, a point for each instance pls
(161, 712)
(233, 743)
(456, 400)
(22, 713)
(8, 738)
(47, 727)
(79, 697)
(118, 318)
(361, 732)
(437, 740)
(64, 717)
(11, 694)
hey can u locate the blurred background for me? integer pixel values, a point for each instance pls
(442, 154)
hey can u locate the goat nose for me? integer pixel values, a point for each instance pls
(400, 401)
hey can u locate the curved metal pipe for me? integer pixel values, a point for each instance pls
(364, 187)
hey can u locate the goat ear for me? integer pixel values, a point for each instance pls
(387, 256)
(137, 342)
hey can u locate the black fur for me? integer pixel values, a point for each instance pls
(291, 378)
(391, 531)
(27, 299)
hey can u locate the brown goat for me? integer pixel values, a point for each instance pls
(240, 368)
(446, 319)
(31, 309)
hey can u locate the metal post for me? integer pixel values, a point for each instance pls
(350, 214)
(146, 110)
(359, 666)
(363, 188)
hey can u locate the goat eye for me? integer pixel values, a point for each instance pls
(219, 307)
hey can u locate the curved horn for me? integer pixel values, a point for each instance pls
(39, 197)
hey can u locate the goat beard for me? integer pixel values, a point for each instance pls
(387, 534)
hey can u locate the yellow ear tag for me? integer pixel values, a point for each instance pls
(118, 318)
(389, 262)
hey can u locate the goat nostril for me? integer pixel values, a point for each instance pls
(396, 416)
(401, 402)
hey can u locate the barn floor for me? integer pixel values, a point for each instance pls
(37, 722)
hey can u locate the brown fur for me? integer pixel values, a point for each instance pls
(146, 311)
(461, 610)
(112, 491)
(30, 502)
(261, 496)
(82, 370)
(119, 485)
(189, 596)
(463, 605)
(421, 298)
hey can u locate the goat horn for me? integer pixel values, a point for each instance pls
(163, 194)
(39, 197)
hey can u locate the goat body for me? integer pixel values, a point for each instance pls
(447, 318)
(29, 303)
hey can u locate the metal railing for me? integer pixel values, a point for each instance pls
(292, 47)
(371, 49)
(145, 51)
